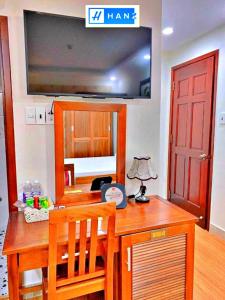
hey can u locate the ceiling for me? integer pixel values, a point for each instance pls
(190, 19)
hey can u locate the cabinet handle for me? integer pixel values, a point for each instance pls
(128, 259)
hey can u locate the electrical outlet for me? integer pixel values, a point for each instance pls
(49, 114)
(30, 115)
(40, 115)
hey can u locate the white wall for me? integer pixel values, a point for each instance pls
(209, 42)
(35, 144)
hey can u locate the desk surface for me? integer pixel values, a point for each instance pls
(158, 213)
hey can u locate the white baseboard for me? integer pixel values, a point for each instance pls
(217, 230)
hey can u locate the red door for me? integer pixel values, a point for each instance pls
(191, 125)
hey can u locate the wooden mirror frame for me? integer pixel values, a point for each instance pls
(61, 106)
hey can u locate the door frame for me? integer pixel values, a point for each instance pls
(214, 54)
(8, 113)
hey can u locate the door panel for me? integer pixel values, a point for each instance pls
(182, 110)
(102, 124)
(87, 134)
(157, 264)
(179, 183)
(101, 148)
(191, 135)
(81, 124)
(81, 148)
(183, 87)
(197, 125)
(164, 280)
(194, 184)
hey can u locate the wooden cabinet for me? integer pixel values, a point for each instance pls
(158, 264)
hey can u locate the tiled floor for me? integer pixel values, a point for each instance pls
(3, 267)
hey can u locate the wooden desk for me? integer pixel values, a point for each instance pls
(26, 245)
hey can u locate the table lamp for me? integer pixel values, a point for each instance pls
(141, 169)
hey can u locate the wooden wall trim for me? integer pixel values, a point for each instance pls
(216, 62)
(8, 112)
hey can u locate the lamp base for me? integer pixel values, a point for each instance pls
(142, 199)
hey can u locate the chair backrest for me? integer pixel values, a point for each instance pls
(84, 237)
(69, 174)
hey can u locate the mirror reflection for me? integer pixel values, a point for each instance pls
(90, 143)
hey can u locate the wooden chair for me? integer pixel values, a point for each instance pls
(83, 247)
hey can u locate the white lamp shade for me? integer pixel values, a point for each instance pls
(141, 169)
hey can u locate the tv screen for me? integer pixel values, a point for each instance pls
(64, 57)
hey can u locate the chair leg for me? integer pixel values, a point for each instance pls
(44, 275)
(108, 294)
(44, 294)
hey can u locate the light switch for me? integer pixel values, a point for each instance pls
(30, 115)
(222, 118)
(49, 114)
(40, 115)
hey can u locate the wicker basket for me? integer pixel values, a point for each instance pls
(36, 215)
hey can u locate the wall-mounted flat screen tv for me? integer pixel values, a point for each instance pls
(64, 57)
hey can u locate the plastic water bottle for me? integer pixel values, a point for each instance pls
(36, 188)
(27, 190)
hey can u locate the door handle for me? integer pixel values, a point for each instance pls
(204, 156)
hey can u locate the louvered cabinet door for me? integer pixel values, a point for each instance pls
(158, 264)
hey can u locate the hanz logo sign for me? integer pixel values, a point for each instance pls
(112, 16)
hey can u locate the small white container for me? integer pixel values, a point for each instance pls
(36, 215)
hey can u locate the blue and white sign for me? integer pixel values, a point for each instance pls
(112, 16)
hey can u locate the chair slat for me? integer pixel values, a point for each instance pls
(93, 245)
(52, 260)
(71, 249)
(82, 248)
(110, 258)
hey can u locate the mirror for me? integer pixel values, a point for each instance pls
(90, 143)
